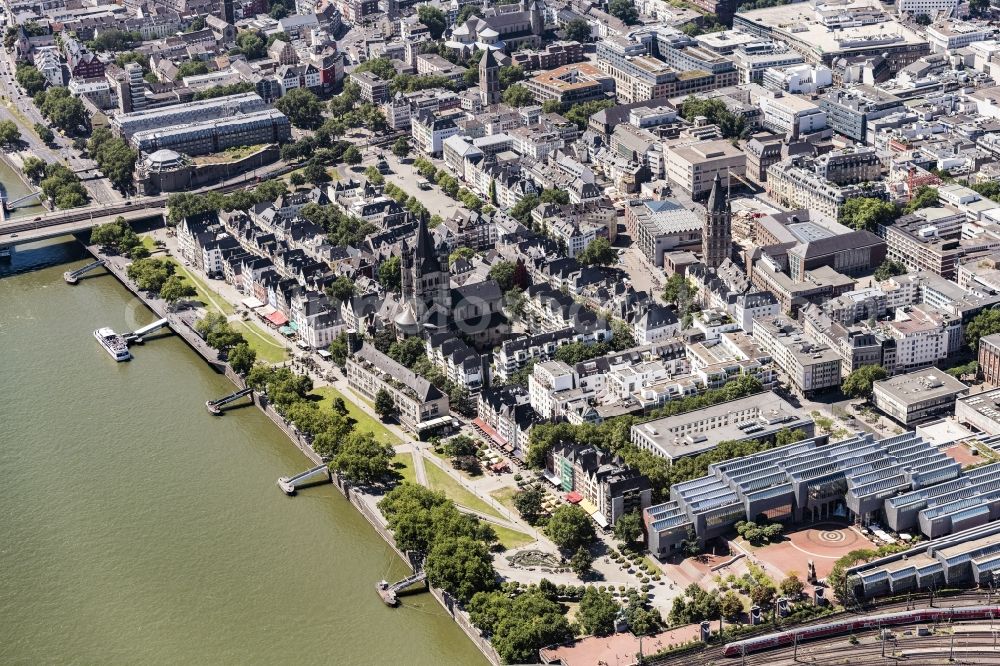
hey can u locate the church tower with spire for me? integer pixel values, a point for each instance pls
(717, 232)
(489, 78)
(426, 285)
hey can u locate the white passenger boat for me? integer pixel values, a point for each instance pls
(113, 343)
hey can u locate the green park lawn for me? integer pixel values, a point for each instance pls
(442, 481)
(511, 538)
(402, 463)
(506, 497)
(365, 423)
(267, 348)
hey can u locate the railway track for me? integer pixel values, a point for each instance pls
(713, 656)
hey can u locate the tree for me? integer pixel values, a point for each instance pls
(503, 273)
(529, 503)
(341, 289)
(925, 197)
(521, 625)
(338, 350)
(114, 157)
(554, 196)
(521, 211)
(730, 606)
(149, 274)
(518, 95)
(220, 336)
(460, 566)
(30, 79)
(434, 19)
(380, 67)
(690, 545)
(510, 74)
(791, 587)
(762, 595)
(385, 406)
(985, 323)
(62, 109)
(34, 167)
(44, 133)
(116, 236)
(9, 133)
(577, 30)
(401, 146)
(390, 275)
(407, 352)
(598, 253)
(251, 44)
(867, 213)
(923, 19)
(363, 459)
(570, 528)
(888, 269)
(581, 113)
(302, 107)
(352, 156)
(859, 383)
(628, 529)
(241, 358)
(624, 11)
(757, 534)
(464, 13)
(296, 179)
(581, 562)
(176, 288)
(597, 612)
(190, 68)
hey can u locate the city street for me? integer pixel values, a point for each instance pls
(62, 149)
(644, 276)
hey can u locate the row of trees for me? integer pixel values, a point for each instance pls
(868, 212)
(185, 204)
(62, 109)
(448, 184)
(117, 237)
(357, 456)
(114, 157)
(57, 182)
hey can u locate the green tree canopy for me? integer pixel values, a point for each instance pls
(925, 197)
(385, 406)
(529, 503)
(363, 459)
(176, 288)
(859, 383)
(867, 213)
(461, 566)
(518, 95)
(985, 323)
(597, 612)
(434, 19)
(570, 528)
(242, 357)
(577, 30)
(302, 107)
(888, 269)
(624, 11)
(149, 274)
(521, 625)
(598, 253)
(629, 528)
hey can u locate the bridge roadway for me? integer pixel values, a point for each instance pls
(77, 220)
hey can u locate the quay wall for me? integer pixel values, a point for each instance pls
(181, 327)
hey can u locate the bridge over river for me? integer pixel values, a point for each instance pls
(77, 220)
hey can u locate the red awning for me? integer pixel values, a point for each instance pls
(489, 431)
(574, 497)
(277, 318)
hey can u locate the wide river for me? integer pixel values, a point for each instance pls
(135, 528)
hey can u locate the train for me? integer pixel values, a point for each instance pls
(920, 616)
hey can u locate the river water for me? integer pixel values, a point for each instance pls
(135, 528)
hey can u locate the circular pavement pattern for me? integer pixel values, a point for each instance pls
(830, 536)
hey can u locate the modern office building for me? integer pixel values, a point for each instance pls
(918, 396)
(757, 417)
(811, 480)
